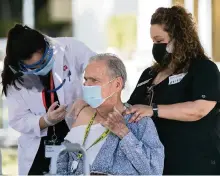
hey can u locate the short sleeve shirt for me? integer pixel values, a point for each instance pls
(190, 147)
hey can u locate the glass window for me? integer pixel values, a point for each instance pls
(54, 17)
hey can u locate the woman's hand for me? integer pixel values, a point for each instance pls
(54, 116)
(116, 124)
(139, 112)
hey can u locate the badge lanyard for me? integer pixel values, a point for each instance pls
(52, 99)
(103, 135)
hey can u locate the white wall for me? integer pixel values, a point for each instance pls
(2, 49)
(89, 22)
(205, 25)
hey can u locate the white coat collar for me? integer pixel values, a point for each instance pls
(56, 42)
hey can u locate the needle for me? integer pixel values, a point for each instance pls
(65, 107)
(67, 113)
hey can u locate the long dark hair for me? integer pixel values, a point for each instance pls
(22, 43)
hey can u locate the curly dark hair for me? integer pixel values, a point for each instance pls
(180, 26)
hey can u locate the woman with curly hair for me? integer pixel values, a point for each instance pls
(181, 92)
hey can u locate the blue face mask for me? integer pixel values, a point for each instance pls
(45, 64)
(47, 68)
(92, 95)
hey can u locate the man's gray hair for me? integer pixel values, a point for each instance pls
(115, 65)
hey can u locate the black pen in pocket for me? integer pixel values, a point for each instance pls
(69, 74)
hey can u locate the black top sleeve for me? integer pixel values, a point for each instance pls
(137, 96)
(206, 81)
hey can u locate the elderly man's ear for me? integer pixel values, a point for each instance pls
(119, 83)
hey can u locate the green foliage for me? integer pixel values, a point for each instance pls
(122, 32)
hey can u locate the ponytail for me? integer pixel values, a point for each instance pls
(22, 43)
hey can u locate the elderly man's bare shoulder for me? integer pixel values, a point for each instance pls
(84, 116)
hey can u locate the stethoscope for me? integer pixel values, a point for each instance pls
(61, 82)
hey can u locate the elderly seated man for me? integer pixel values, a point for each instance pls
(114, 146)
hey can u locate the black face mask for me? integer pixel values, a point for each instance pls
(160, 54)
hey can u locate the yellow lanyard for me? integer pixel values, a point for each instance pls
(103, 135)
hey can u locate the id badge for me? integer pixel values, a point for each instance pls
(52, 149)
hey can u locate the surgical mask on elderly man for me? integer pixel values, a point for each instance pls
(92, 95)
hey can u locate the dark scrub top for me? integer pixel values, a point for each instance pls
(190, 147)
(41, 164)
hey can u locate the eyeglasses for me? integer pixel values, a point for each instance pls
(41, 63)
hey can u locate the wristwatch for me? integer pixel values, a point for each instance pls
(155, 110)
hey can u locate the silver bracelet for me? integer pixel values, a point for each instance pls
(47, 121)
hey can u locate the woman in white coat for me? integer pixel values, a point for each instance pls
(41, 76)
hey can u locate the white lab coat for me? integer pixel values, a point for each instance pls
(25, 107)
